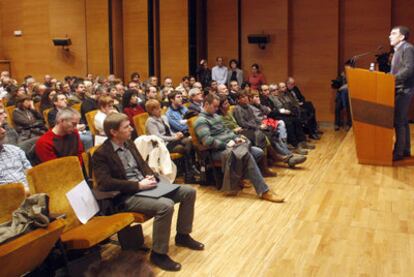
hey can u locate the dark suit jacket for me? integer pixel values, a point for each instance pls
(89, 104)
(298, 94)
(109, 171)
(404, 67)
(194, 107)
(28, 127)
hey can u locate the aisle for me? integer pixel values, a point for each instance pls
(340, 219)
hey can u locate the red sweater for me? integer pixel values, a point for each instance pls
(133, 111)
(256, 80)
(51, 146)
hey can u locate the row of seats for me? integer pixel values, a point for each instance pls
(45, 178)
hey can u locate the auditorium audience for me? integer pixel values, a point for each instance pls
(281, 111)
(117, 98)
(13, 161)
(176, 112)
(119, 166)
(275, 131)
(204, 74)
(28, 122)
(90, 103)
(153, 81)
(196, 101)
(59, 102)
(256, 77)
(234, 89)
(106, 107)
(168, 83)
(136, 78)
(212, 133)
(131, 104)
(307, 109)
(223, 91)
(12, 137)
(78, 96)
(184, 87)
(219, 72)
(151, 93)
(46, 102)
(14, 93)
(63, 139)
(176, 142)
(234, 73)
(270, 124)
(246, 86)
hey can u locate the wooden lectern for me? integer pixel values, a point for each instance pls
(371, 95)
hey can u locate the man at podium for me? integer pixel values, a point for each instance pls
(402, 66)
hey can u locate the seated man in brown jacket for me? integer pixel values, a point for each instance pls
(118, 166)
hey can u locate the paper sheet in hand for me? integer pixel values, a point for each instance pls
(83, 202)
(164, 186)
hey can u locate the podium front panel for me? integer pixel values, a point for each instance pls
(372, 106)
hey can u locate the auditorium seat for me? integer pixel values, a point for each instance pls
(90, 119)
(25, 253)
(139, 123)
(56, 178)
(46, 117)
(9, 111)
(204, 153)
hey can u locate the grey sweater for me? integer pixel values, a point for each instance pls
(155, 126)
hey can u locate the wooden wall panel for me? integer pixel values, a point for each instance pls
(1, 32)
(174, 39)
(33, 53)
(97, 39)
(269, 17)
(135, 26)
(222, 31)
(68, 19)
(13, 47)
(314, 51)
(117, 38)
(37, 44)
(364, 26)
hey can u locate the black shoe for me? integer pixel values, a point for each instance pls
(407, 155)
(319, 132)
(315, 136)
(195, 170)
(164, 262)
(188, 241)
(336, 127)
(192, 179)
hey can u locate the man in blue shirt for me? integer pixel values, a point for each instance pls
(176, 112)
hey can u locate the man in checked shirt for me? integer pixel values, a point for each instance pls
(13, 161)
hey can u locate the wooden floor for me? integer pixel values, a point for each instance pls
(340, 219)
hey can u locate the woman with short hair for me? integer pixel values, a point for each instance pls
(106, 107)
(158, 125)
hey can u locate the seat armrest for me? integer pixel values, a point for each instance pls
(54, 216)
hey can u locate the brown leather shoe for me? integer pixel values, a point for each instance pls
(245, 184)
(267, 172)
(272, 197)
(231, 193)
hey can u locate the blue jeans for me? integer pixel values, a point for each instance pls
(281, 130)
(402, 144)
(253, 172)
(87, 140)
